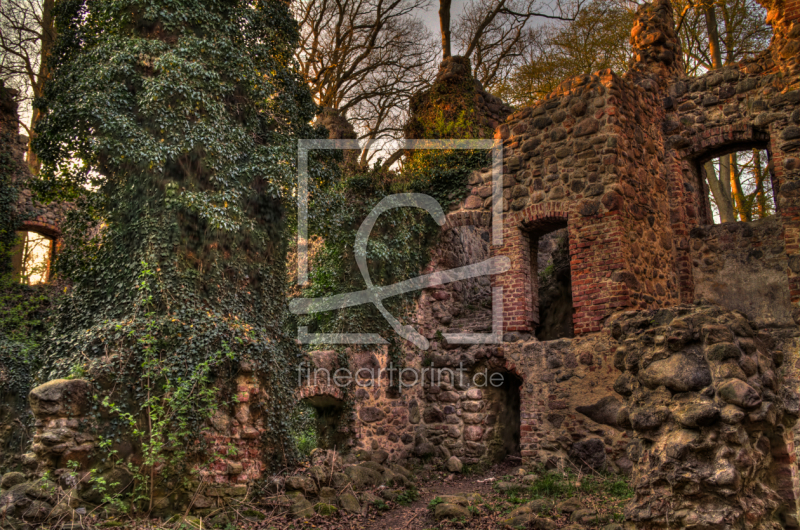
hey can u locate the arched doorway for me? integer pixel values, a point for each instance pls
(32, 256)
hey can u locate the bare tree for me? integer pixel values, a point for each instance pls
(365, 58)
(597, 39)
(26, 37)
(493, 34)
(715, 34)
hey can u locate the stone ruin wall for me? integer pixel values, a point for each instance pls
(742, 266)
(45, 219)
(693, 396)
(15, 418)
(616, 160)
(713, 416)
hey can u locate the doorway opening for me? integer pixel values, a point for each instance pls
(551, 282)
(505, 408)
(31, 257)
(318, 424)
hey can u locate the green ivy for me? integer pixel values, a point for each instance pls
(399, 246)
(173, 125)
(9, 195)
(23, 308)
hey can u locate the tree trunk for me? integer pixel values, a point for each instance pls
(713, 36)
(761, 198)
(737, 194)
(48, 37)
(722, 199)
(444, 23)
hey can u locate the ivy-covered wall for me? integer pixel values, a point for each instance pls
(23, 308)
(172, 130)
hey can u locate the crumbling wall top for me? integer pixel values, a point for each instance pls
(656, 48)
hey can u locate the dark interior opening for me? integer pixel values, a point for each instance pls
(505, 406)
(737, 182)
(329, 432)
(552, 276)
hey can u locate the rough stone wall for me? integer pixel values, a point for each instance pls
(713, 419)
(64, 429)
(585, 157)
(742, 267)
(614, 159)
(45, 219)
(560, 377)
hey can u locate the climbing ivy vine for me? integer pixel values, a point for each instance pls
(172, 126)
(23, 308)
(399, 246)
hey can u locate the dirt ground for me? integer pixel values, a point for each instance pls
(504, 490)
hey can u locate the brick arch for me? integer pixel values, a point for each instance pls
(509, 366)
(461, 218)
(548, 211)
(41, 227)
(320, 395)
(723, 140)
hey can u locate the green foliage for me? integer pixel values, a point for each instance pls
(447, 110)
(400, 243)
(608, 485)
(407, 496)
(23, 308)
(304, 429)
(434, 502)
(381, 505)
(443, 174)
(113, 500)
(474, 469)
(22, 311)
(173, 125)
(171, 403)
(547, 272)
(597, 39)
(557, 485)
(23, 328)
(552, 484)
(9, 194)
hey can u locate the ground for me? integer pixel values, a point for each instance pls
(605, 495)
(503, 496)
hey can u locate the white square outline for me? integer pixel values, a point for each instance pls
(306, 145)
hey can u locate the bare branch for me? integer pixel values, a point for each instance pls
(365, 58)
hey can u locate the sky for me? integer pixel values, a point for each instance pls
(431, 16)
